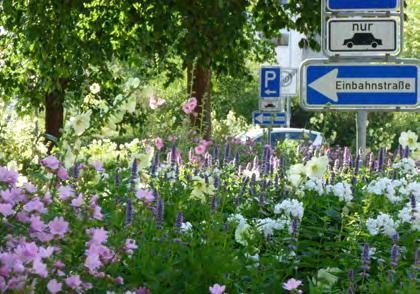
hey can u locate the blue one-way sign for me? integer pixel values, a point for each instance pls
(270, 82)
(362, 4)
(360, 86)
(269, 118)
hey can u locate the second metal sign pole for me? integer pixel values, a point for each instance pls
(361, 130)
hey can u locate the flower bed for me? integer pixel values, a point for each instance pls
(229, 221)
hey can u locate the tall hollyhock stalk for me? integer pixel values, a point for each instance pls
(226, 156)
(365, 260)
(350, 289)
(394, 257)
(129, 213)
(381, 159)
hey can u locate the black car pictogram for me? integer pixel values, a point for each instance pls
(362, 39)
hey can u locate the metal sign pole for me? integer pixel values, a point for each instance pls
(361, 128)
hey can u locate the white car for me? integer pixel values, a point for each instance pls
(280, 134)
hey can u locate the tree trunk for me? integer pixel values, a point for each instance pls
(54, 113)
(199, 86)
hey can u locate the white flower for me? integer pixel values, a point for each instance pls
(237, 218)
(382, 223)
(291, 208)
(95, 88)
(243, 233)
(316, 185)
(81, 122)
(409, 139)
(316, 167)
(186, 227)
(267, 225)
(341, 190)
(405, 214)
(387, 187)
(406, 166)
(297, 169)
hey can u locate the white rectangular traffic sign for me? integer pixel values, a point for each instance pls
(288, 81)
(359, 86)
(271, 104)
(362, 36)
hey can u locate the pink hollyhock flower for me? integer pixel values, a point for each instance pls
(98, 236)
(98, 166)
(46, 252)
(97, 212)
(6, 209)
(145, 195)
(77, 202)
(155, 102)
(37, 224)
(171, 138)
(8, 176)
(206, 143)
(40, 268)
(58, 226)
(130, 246)
(87, 286)
(53, 286)
(51, 162)
(35, 205)
(93, 262)
(217, 289)
(200, 149)
(119, 280)
(143, 291)
(30, 188)
(190, 105)
(65, 192)
(292, 284)
(62, 174)
(159, 143)
(73, 282)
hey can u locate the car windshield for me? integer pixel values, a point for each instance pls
(290, 136)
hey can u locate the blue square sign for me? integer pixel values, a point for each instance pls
(270, 82)
(362, 4)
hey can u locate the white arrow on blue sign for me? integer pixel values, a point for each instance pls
(360, 86)
(269, 118)
(362, 4)
(270, 82)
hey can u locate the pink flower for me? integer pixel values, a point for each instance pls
(119, 280)
(73, 282)
(6, 209)
(143, 291)
(30, 188)
(97, 212)
(98, 236)
(190, 105)
(93, 262)
(159, 143)
(40, 268)
(217, 289)
(171, 138)
(145, 195)
(37, 224)
(8, 176)
(155, 102)
(200, 149)
(77, 202)
(62, 174)
(58, 226)
(98, 166)
(51, 162)
(65, 192)
(130, 246)
(35, 205)
(53, 286)
(292, 284)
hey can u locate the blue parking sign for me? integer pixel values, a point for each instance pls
(270, 82)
